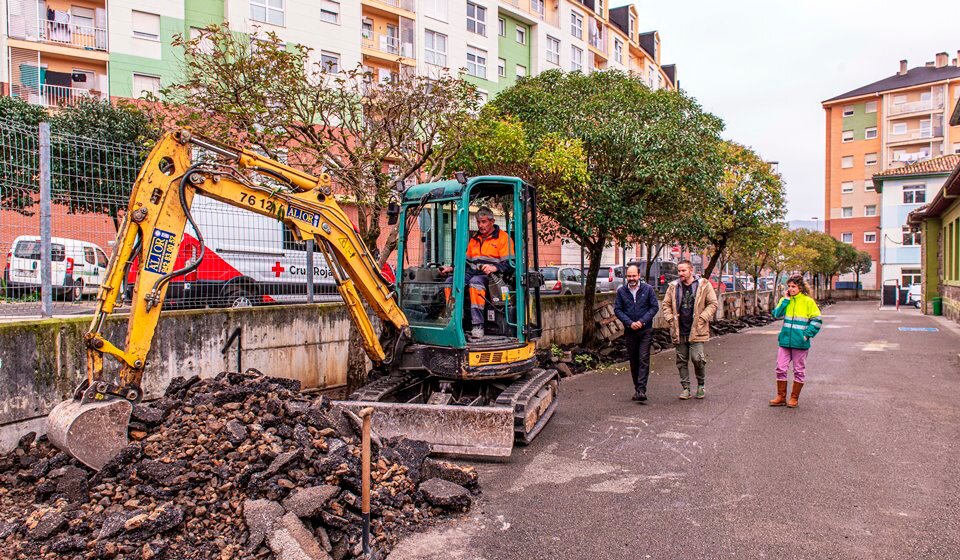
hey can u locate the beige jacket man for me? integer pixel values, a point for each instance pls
(690, 348)
(704, 310)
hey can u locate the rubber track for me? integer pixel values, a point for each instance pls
(383, 387)
(517, 396)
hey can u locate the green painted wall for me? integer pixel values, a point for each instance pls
(197, 13)
(860, 120)
(512, 51)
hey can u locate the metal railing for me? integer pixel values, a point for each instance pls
(537, 9)
(916, 106)
(597, 41)
(408, 5)
(90, 38)
(53, 96)
(388, 44)
(915, 134)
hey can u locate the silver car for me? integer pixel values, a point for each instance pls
(561, 280)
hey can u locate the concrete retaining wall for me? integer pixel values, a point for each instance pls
(845, 294)
(42, 361)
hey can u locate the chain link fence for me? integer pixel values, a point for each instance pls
(62, 199)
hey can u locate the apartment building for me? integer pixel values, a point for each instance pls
(888, 124)
(903, 190)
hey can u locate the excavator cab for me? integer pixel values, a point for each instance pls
(438, 221)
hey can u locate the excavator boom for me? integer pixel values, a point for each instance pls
(92, 426)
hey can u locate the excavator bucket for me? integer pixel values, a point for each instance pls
(485, 431)
(93, 433)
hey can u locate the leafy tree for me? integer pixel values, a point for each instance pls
(754, 252)
(603, 150)
(824, 262)
(791, 255)
(846, 258)
(751, 196)
(20, 150)
(256, 90)
(861, 265)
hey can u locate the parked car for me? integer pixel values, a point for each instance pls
(718, 286)
(609, 278)
(913, 296)
(561, 280)
(77, 268)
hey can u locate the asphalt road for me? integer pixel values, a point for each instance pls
(867, 467)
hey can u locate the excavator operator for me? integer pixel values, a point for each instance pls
(488, 251)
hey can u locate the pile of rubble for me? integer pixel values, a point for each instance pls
(237, 466)
(720, 328)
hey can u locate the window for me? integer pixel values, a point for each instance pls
(146, 26)
(848, 111)
(631, 26)
(82, 18)
(477, 62)
(870, 159)
(435, 48)
(899, 129)
(576, 25)
(871, 107)
(914, 194)
(599, 8)
(143, 84)
(271, 11)
(868, 186)
(330, 61)
(553, 50)
(501, 67)
(476, 19)
(869, 237)
(436, 9)
(847, 136)
(501, 27)
(618, 50)
(101, 259)
(870, 210)
(538, 6)
(846, 162)
(910, 237)
(89, 256)
(910, 276)
(846, 187)
(956, 147)
(899, 99)
(521, 35)
(847, 211)
(870, 133)
(846, 237)
(521, 71)
(576, 59)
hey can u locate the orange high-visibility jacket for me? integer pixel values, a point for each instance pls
(496, 249)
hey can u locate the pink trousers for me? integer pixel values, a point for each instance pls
(799, 358)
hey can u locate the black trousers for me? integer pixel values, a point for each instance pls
(638, 348)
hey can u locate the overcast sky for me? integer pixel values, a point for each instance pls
(764, 66)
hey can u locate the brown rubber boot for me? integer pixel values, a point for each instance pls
(781, 394)
(794, 395)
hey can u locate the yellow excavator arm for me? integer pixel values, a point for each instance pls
(153, 228)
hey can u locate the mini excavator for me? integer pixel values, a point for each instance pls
(466, 397)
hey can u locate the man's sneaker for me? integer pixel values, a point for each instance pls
(685, 394)
(701, 392)
(640, 396)
(476, 333)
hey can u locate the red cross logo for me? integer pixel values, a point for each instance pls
(277, 269)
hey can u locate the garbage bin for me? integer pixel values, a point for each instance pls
(937, 306)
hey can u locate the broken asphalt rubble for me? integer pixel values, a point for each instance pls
(239, 466)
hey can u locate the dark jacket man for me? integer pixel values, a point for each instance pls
(636, 307)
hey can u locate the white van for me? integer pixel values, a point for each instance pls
(77, 268)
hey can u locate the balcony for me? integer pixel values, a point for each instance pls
(537, 9)
(85, 32)
(53, 96)
(916, 107)
(916, 134)
(388, 45)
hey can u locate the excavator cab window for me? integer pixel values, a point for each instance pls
(426, 295)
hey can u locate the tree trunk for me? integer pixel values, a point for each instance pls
(857, 287)
(646, 275)
(718, 251)
(595, 253)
